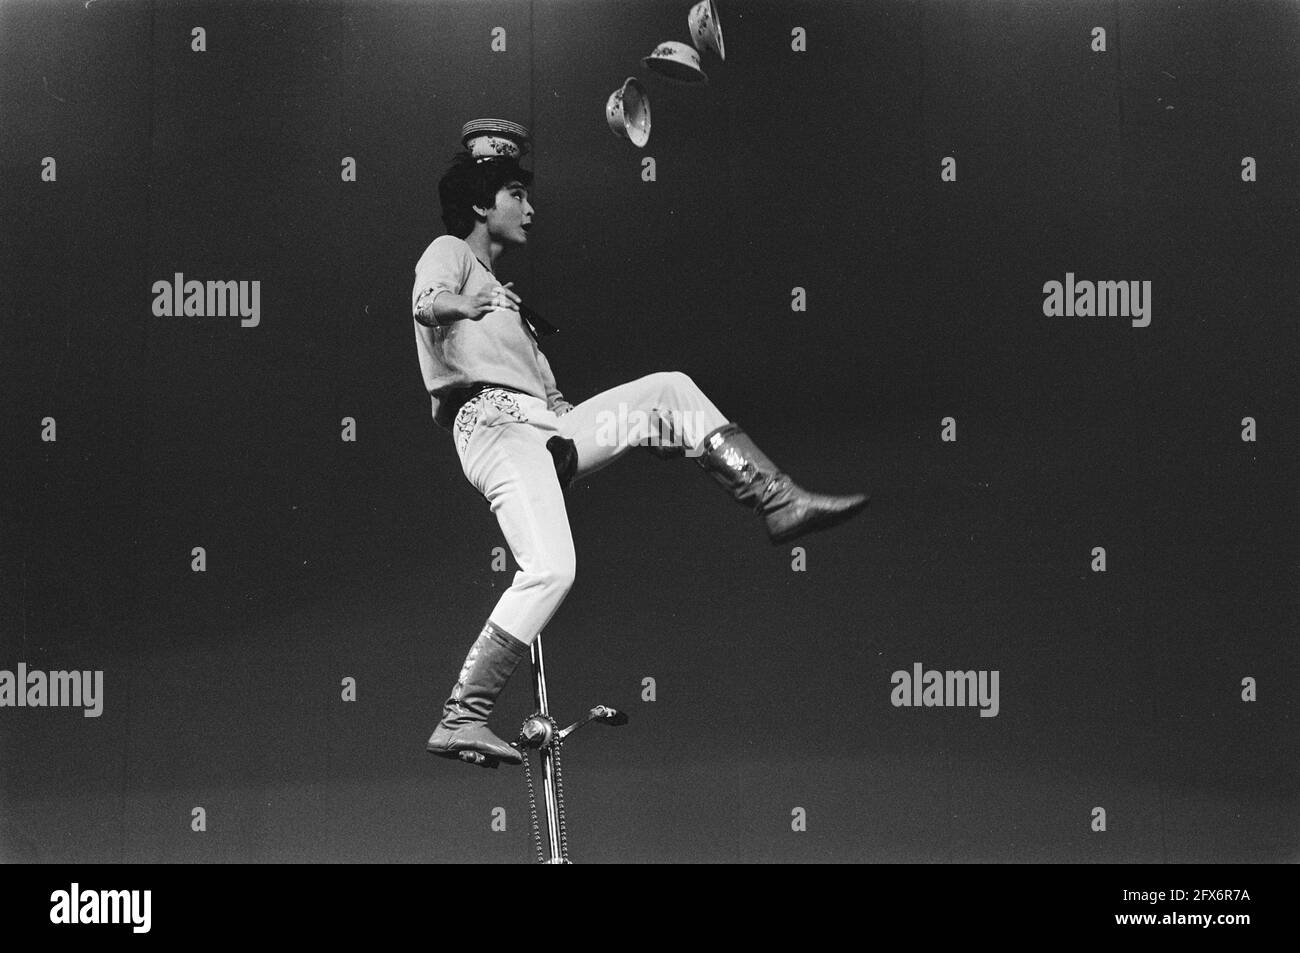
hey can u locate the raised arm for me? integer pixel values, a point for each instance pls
(436, 305)
(440, 278)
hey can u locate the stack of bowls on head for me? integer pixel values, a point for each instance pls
(495, 139)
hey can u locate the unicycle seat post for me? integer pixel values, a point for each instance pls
(548, 757)
(541, 731)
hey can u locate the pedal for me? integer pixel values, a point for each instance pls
(601, 713)
(610, 716)
(477, 757)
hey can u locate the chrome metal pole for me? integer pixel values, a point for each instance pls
(548, 758)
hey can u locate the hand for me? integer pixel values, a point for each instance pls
(492, 298)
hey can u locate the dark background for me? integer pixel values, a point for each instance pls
(820, 170)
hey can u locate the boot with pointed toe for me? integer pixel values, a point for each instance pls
(463, 732)
(735, 462)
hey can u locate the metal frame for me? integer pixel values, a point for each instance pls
(548, 757)
(541, 731)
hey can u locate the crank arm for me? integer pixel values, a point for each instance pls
(602, 713)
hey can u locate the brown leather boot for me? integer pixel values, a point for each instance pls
(790, 511)
(463, 732)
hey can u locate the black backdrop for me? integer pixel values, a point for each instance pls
(818, 169)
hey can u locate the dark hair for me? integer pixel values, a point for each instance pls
(470, 182)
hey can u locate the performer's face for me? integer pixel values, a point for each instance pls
(508, 222)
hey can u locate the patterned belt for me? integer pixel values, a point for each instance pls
(467, 415)
(459, 398)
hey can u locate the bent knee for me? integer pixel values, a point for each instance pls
(672, 380)
(559, 574)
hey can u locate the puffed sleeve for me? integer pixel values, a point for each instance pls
(444, 266)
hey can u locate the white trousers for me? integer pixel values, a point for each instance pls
(501, 439)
